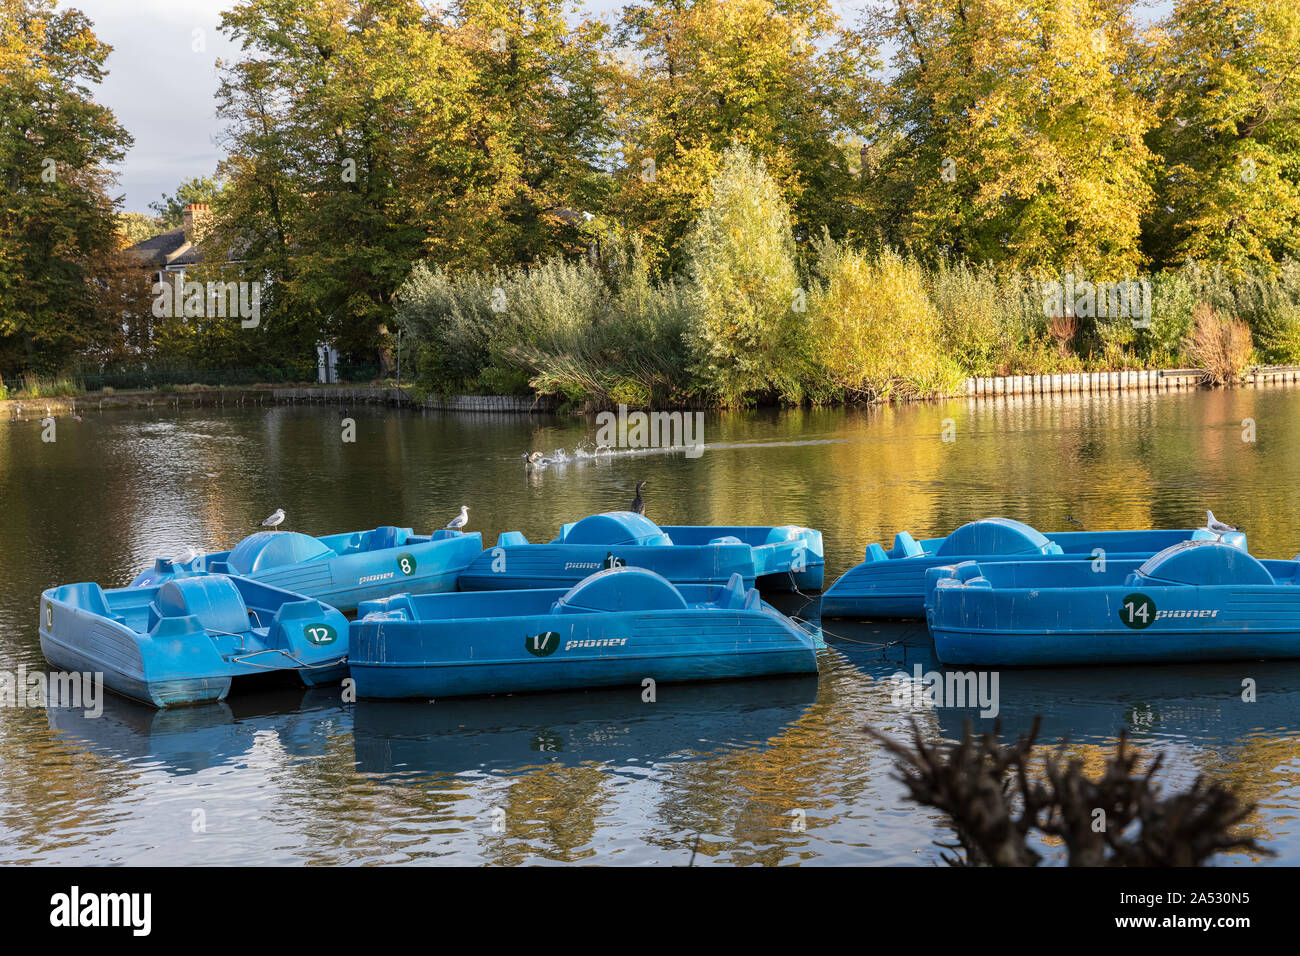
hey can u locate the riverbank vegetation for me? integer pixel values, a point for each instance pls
(752, 317)
(704, 202)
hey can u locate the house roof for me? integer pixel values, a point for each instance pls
(167, 248)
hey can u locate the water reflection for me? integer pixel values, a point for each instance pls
(616, 728)
(754, 773)
(191, 739)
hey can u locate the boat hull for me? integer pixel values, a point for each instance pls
(342, 579)
(892, 584)
(453, 645)
(185, 642)
(1013, 614)
(785, 558)
(132, 684)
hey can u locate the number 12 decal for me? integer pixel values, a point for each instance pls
(320, 634)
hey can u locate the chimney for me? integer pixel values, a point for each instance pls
(195, 213)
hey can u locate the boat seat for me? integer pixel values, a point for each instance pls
(384, 537)
(726, 539)
(621, 589)
(733, 595)
(1201, 564)
(89, 596)
(876, 553)
(907, 546)
(213, 600)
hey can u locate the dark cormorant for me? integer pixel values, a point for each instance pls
(638, 506)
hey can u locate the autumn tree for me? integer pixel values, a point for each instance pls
(367, 136)
(1228, 85)
(57, 220)
(784, 80)
(1014, 133)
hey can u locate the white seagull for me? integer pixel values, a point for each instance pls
(188, 555)
(462, 519)
(275, 520)
(1218, 527)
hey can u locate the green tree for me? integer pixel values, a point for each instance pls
(170, 210)
(366, 136)
(539, 97)
(1228, 84)
(347, 160)
(747, 332)
(57, 221)
(137, 226)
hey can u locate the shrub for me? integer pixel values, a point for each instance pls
(746, 337)
(1173, 297)
(451, 321)
(34, 386)
(979, 314)
(1279, 333)
(1220, 346)
(589, 334)
(876, 330)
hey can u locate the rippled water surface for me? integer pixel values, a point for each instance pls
(715, 773)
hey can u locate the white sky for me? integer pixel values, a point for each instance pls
(163, 89)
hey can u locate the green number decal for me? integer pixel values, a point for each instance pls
(1137, 611)
(320, 634)
(542, 645)
(407, 563)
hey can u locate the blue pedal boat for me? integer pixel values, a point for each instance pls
(340, 569)
(617, 627)
(1194, 601)
(184, 641)
(771, 558)
(892, 583)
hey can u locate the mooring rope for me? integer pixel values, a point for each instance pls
(275, 650)
(809, 598)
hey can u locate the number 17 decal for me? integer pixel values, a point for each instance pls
(542, 645)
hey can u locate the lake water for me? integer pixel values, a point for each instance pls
(721, 773)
